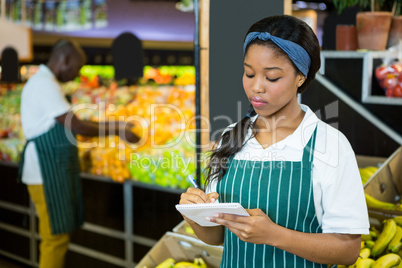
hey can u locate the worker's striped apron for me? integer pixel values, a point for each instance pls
(281, 189)
(59, 165)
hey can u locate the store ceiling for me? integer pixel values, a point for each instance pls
(148, 20)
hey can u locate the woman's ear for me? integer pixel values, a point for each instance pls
(302, 78)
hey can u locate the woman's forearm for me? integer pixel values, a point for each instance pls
(209, 235)
(319, 247)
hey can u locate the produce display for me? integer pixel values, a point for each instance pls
(390, 78)
(171, 263)
(375, 203)
(161, 108)
(381, 248)
(162, 117)
(367, 172)
(11, 137)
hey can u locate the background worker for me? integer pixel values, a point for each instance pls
(49, 164)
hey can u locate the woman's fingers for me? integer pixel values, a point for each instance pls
(193, 195)
(213, 197)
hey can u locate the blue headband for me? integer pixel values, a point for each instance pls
(296, 53)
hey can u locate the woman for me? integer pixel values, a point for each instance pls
(296, 176)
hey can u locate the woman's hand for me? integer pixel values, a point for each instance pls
(210, 235)
(197, 196)
(256, 229)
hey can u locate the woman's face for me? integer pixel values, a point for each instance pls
(270, 81)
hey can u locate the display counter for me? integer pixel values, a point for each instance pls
(122, 221)
(161, 108)
(129, 191)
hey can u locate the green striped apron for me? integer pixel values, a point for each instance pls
(281, 189)
(59, 165)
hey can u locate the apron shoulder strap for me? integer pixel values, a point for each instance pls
(308, 151)
(21, 162)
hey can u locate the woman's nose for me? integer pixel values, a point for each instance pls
(258, 85)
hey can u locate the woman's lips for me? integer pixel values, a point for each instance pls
(257, 102)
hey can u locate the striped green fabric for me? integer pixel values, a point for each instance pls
(59, 164)
(284, 191)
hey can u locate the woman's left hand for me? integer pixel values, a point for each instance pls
(256, 229)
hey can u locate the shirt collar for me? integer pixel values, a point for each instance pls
(44, 70)
(300, 137)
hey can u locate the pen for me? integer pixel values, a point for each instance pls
(191, 179)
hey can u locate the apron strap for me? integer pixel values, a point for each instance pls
(308, 151)
(21, 162)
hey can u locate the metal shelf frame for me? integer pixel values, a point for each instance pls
(368, 70)
(128, 236)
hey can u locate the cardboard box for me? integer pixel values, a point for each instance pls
(365, 161)
(181, 248)
(369, 161)
(182, 228)
(386, 185)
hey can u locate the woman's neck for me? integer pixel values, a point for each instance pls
(289, 116)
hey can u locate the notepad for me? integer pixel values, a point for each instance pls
(198, 212)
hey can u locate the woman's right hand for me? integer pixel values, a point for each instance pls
(197, 196)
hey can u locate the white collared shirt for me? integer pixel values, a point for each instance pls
(42, 100)
(338, 191)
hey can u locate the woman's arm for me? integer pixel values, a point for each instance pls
(96, 129)
(318, 248)
(209, 235)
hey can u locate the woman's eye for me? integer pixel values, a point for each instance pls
(273, 80)
(249, 75)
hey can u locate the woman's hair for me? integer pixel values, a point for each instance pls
(285, 27)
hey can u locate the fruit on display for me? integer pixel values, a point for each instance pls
(396, 242)
(162, 117)
(189, 230)
(366, 262)
(169, 75)
(171, 263)
(382, 248)
(385, 237)
(168, 263)
(375, 203)
(389, 76)
(367, 172)
(11, 136)
(387, 261)
(162, 111)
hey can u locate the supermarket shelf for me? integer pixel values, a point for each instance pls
(359, 108)
(133, 183)
(99, 255)
(367, 72)
(127, 235)
(9, 164)
(17, 258)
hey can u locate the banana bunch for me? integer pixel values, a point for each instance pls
(171, 263)
(375, 203)
(168, 263)
(381, 249)
(367, 172)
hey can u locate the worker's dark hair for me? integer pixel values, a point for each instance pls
(66, 47)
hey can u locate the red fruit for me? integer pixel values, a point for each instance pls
(389, 81)
(381, 72)
(389, 92)
(397, 67)
(400, 77)
(397, 92)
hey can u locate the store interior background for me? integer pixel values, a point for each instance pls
(124, 220)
